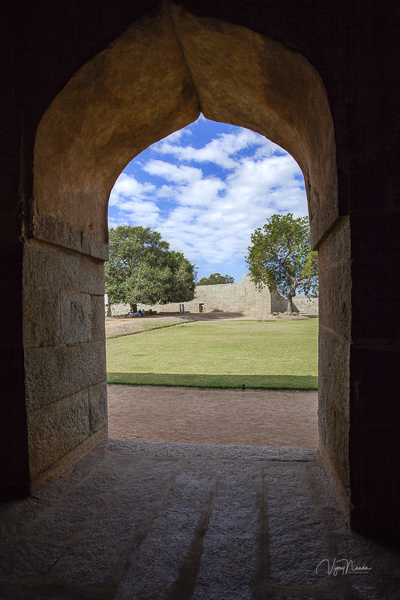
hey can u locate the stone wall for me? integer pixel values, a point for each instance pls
(231, 297)
(334, 341)
(65, 363)
(305, 305)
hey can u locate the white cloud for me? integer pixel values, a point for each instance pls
(132, 203)
(210, 217)
(170, 172)
(139, 212)
(219, 151)
(203, 193)
(127, 186)
(173, 137)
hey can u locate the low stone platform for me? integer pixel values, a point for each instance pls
(142, 520)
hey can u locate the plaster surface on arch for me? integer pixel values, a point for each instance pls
(154, 80)
(135, 92)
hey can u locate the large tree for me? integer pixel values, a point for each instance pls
(142, 269)
(216, 278)
(280, 257)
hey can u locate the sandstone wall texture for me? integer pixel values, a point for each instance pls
(334, 267)
(231, 297)
(65, 362)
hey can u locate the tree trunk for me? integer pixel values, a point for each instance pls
(134, 308)
(290, 297)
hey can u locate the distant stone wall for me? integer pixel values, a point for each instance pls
(305, 305)
(119, 310)
(230, 297)
(301, 304)
(226, 297)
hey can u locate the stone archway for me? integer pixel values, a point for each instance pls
(153, 80)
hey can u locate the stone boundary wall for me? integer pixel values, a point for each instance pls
(230, 297)
(306, 305)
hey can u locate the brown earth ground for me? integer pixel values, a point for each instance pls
(257, 418)
(117, 326)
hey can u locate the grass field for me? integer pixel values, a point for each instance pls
(224, 354)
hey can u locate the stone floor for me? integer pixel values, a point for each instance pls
(142, 520)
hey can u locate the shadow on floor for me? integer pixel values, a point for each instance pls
(263, 382)
(146, 521)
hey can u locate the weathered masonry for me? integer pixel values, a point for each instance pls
(232, 297)
(85, 88)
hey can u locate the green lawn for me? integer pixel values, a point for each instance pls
(224, 354)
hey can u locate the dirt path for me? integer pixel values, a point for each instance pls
(258, 418)
(123, 326)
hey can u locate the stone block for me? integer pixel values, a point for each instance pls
(133, 508)
(97, 323)
(98, 406)
(69, 459)
(297, 541)
(334, 398)
(331, 512)
(167, 551)
(57, 232)
(72, 476)
(41, 319)
(15, 515)
(76, 506)
(335, 282)
(55, 373)
(27, 561)
(75, 318)
(229, 555)
(58, 270)
(335, 299)
(337, 247)
(210, 451)
(56, 429)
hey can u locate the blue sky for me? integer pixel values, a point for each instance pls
(206, 188)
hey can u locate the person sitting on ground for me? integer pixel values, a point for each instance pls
(138, 314)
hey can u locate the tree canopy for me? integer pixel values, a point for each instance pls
(142, 269)
(280, 257)
(216, 278)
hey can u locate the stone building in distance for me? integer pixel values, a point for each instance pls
(230, 297)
